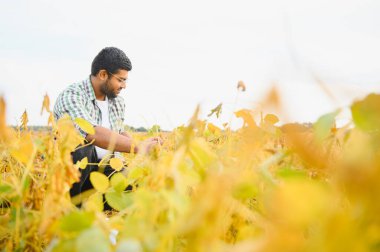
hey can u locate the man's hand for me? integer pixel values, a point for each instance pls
(146, 146)
(126, 134)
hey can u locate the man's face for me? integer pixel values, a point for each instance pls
(114, 83)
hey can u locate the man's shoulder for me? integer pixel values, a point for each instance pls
(77, 87)
(76, 90)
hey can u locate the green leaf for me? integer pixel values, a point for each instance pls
(5, 188)
(245, 191)
(64, 245)
(119, 200)
(366, 113)
(324, 124)
(93, 240)
(290, 172)
(26, 184)
(99, 181)
(130, 245)
(119, 182)
(135, 174)
(76, 221)
(155, 129)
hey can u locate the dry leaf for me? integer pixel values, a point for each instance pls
(241, 86)
(217, 110)
(24, 120)
(247, 116)
(46, 104)
(271, 119)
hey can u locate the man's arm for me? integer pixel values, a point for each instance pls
(104, 137)
(126, 134)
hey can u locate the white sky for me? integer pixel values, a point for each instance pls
(189, 52)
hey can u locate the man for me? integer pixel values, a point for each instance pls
(96, 100)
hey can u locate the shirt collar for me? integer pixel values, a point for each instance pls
(89, 89)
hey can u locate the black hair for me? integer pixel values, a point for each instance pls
(110, 59)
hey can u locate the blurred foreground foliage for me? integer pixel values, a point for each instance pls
(259, 188)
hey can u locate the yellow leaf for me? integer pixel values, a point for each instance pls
(4, 130)
(85, 126)
(271, 119)
(247, 116)
(67, 135)
(99, 181)
(201, 154)
(116, 164)
(188, 131)
(24, 120)
(45, 104)
(2, 114)
(299, 202)
(51, 119)
(214, 129)
(24, 150)
(83, 163)
(200, 126)
(94, 203)
(119, 182)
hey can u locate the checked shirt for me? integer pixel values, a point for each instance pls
(79, 101)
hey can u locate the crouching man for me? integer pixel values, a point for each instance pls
(96, 99)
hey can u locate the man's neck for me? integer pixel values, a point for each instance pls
(96, 86)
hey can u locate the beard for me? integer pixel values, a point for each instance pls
(107, 90)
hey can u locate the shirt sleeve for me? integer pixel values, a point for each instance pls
(71, 102)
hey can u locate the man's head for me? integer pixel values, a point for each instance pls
(111, 67)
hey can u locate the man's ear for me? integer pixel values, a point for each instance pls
(103, 75)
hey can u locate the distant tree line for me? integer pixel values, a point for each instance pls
(48, 128)
(298, 127)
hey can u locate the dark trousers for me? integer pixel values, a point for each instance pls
(85, 184)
